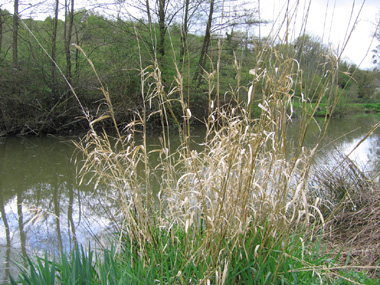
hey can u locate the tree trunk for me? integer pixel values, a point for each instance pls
(1, 28)
(161, 24)
(15, 35)
(69, 21)
(53, 51)
(76, 71)
(206, 42)
(184, 31)
(148, 13)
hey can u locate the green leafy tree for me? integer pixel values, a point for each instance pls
(366, 83)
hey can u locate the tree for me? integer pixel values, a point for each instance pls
(54, 49)
(69, 21)
(162, 13)
(309, 52)
(162, 8)
(1, 28)
(15, 35)
(223, 16)
(366, 82)
(205, 45)
(5, 28)
(184, 29)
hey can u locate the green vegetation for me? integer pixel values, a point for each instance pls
(35, 98)
(299, 263)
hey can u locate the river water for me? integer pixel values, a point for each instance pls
(44, 208)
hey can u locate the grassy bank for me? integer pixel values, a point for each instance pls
(343, 108)
(257, 262)
(367, 107)
(346, 109)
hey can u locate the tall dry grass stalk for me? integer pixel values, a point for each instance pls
(246, 181)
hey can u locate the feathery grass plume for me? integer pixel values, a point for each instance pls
(209, 201)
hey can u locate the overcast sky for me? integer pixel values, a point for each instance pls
(329, 19)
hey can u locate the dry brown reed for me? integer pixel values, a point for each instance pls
(350, 204)
(358, 230)
(240, 182)
(244, 180)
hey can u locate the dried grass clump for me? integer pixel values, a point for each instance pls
(340, 184)
(355, 224)
(243, 192)
(351, 206)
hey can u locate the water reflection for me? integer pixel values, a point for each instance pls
(366, 155)
(344, 138)
(42, 205)
(43, 208)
